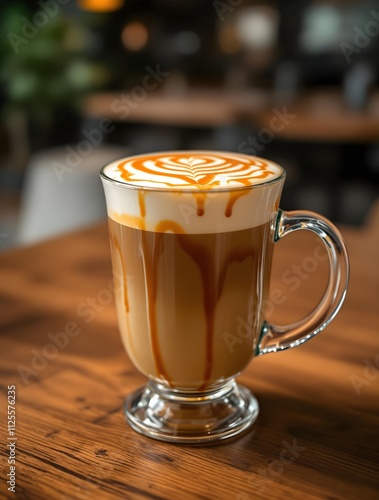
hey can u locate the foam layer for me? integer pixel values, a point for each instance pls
(192, 191)
(193, 170)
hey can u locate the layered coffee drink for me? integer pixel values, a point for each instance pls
(191, 238)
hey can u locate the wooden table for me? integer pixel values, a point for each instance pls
(317, 433)
(192, 108)
(319, 114)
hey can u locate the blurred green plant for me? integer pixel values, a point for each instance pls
(50, 69)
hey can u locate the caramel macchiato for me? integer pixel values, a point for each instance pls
(192, 236)
(191, 245)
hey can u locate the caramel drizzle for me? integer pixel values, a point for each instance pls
(233, 197)
(151, 270)
(151, 276)
(200, 199)
(212, 290)
(141, 203)
(194, 175)
(204, 262)
(117, 246)
(236, 255)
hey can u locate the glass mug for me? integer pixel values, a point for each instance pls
(192, 235)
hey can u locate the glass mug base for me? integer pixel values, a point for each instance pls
(190, 417)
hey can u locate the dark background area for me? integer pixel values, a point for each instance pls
(229, 67)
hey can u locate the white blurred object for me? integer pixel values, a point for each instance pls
(257, 27)
(322, 28)
(57, 203)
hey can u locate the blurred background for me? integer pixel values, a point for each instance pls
(83, 82)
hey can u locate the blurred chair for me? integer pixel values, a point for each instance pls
(57, 197)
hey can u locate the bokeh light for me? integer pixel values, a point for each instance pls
(134, 36)
(228, 40)
(257, 27)
(100, 5)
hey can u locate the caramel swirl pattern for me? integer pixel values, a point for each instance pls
(195, 170)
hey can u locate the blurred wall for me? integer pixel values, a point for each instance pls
(158, 75)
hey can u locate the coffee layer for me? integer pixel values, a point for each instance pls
(190, 306)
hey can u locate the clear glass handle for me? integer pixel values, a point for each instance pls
(277, 338)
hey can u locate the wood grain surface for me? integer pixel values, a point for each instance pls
(317, 432)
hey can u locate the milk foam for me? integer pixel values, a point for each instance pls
(198, 191)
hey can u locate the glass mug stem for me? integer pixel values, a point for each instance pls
(278, 338)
